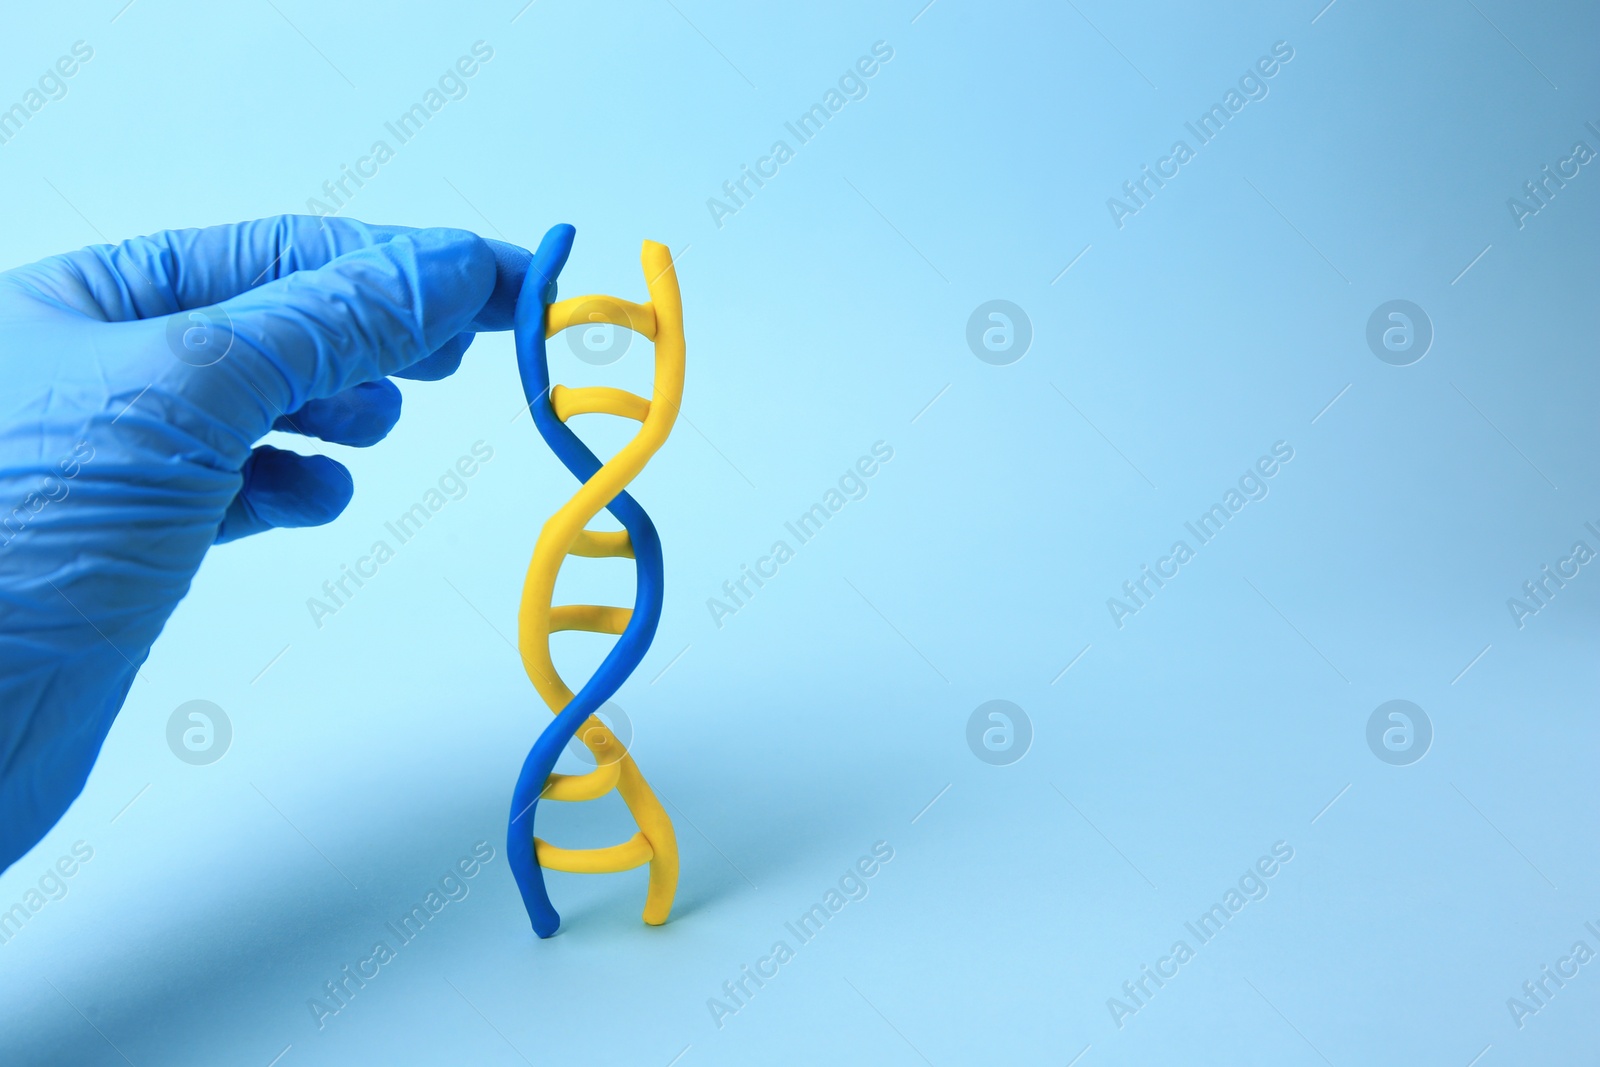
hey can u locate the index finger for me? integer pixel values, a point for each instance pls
(178, 270)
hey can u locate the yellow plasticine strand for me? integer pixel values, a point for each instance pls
(601, 544)
(564, 534)
(595, 310)
(634, 852)
(594, 618)
(572, 788)
(598, 400)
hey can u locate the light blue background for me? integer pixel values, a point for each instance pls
(1225, 316)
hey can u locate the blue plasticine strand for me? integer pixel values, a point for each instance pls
(538, 292)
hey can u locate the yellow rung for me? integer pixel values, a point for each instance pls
(598, 400)
(595, 618)
(599, 544)
(634, 852)
(574, 787)
(589, 310)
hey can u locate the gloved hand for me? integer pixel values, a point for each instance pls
(136, 380)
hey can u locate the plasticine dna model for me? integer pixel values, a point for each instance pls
(538, 317)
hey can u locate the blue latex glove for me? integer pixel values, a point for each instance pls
(128, 418)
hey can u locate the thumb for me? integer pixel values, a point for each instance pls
(363, 316)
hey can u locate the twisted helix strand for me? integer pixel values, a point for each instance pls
(538, 317)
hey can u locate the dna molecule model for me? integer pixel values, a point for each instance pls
(565, 534)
